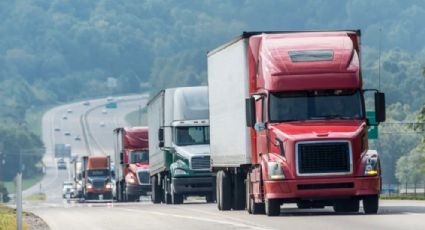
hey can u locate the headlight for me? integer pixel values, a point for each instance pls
(89, 186)
(108, 185)
(275, 171)
(131, 179)
(371, 167)
(179, 172)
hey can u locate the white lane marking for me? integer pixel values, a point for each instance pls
(235, 224)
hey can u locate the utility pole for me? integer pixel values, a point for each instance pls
(19, 194)
(140, 114)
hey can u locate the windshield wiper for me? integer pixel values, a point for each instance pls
(332, 116)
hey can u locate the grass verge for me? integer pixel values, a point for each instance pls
(37, 197)
(8, 218)
(403, 197)
(26, 183)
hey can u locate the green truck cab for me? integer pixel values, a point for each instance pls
(179, 145)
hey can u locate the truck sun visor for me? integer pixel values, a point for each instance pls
(311, 55)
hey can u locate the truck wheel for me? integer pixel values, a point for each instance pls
(272, 207)
(176, 198)
(156, 195)
(238, 192)
(371, 204)
(210, 198)
(349, 205)
(251, 206)
(224, 195)
(304, 204)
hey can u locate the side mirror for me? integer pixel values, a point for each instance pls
(161, 144)
(380, 107)
(161, 134)
(250, 112)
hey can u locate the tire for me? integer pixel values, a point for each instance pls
(346, 206)
(224, 199)
(272, 207)
(238, 192)
(251, 206)
(210, 198)
(176, 198)
(156, 195)
(371, 204)
(304, 204)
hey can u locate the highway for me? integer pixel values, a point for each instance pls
(194, 214)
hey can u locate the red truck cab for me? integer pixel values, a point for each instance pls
(132, 154)
(307, 124)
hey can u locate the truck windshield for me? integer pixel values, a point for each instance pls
(195, 135)
(316, 105)
(139, 156)
(98, 173)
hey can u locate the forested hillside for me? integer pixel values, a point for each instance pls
(53, 51)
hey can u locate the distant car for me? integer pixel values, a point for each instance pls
(64, 117)
(69, 111)
(102, 124)
(104, 111)
(109, 99)
(67, 133)
(68, 189)
(77, 138)
(57, 129)
(86, 103)
(61, 164)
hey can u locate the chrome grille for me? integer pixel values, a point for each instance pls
(144, 177)
(316, 158)
(98, 184)
(200, 162)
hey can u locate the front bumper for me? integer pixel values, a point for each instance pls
(194, 185)
(322, 188)
(137, 189)
(99, 191)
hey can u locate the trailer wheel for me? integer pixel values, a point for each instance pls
(349, 205)
(272, 207)
(224, 195)
(238, 192)
(371, 204)
(156, 191)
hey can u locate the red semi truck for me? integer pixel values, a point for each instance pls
(288, 123)
(131, 163)
(97, 179)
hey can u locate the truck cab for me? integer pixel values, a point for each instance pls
(179, 145)
(97, 180)
(305, 139)
(132, 153)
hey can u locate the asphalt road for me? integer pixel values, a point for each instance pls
(194, 213)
